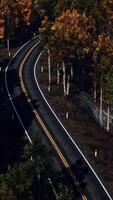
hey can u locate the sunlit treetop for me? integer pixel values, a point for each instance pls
(74, 29)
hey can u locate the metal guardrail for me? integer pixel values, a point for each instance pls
(93, 109)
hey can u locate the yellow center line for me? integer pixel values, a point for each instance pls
(45, 128)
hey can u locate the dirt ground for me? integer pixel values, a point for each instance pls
(89, 136)
(84, 130)
(4, 53)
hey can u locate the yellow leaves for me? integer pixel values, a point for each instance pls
(70, 23)
(46, 26)
(104, 44)
(74, 31)
(97, 49)
(86, 50)
(45, 22)
(104, 52)
(72, 34)
(53, 27)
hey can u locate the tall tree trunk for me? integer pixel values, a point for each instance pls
(95, 91)
(68, 85)
(95, 81)
(101, 100)
(64, 77)
(42, 68)
(108, 118)
(58, 74)
(95, 88)
(49, 65)
(71, 71)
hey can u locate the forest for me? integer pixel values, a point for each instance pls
(78, 38)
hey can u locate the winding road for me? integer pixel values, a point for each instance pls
(35, 114)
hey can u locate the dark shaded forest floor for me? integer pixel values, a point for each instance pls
(11, 134)
(84, 130)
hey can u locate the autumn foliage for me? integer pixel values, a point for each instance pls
(75, 31)
(82, 33)
(19, 13)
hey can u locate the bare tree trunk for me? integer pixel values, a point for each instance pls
(42, 68)
(108, 118)
(67, 115)
(95, 88)
(58, 74)
(49, 88)
(95, 91)
(68, 85)
(49, 65)
(95, 85)
(101, 101)
(64, 77)
(71, 72)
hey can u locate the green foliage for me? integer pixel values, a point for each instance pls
(45, 8)
(84, 6)
(65, 193)
(80, 30)
(27, 180)
(21, 180)
(108, 91)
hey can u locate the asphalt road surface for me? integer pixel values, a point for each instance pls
(35, 115)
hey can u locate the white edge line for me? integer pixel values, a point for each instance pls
(9, 95)
(65, 129)
(49, 179)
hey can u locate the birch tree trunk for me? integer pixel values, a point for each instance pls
(108, 118)
(101, 101)
(64, 77)
(58, 74)
(95, 88)
(71, 72)
(95, 78)
(49, 66)
(42, 68)
(68, 85)
(95, 91)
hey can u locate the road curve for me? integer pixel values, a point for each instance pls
(13, 65)
(13, 92)
(44, 126)
(67, 149)
(100, 185)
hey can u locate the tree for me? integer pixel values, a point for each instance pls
(69, 37)
(17, 15)
(45, 8)
(108, 96)
(62, 6)
(65, 193)
(103, 65)
(23, 179)
(101, 12)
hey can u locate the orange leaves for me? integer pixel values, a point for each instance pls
(71, 22)
(19, 7)
(67, 21)
(70, 35)
(24, 7)
(74, 30)
(104, 44)
(103, 56)
(45, 26)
